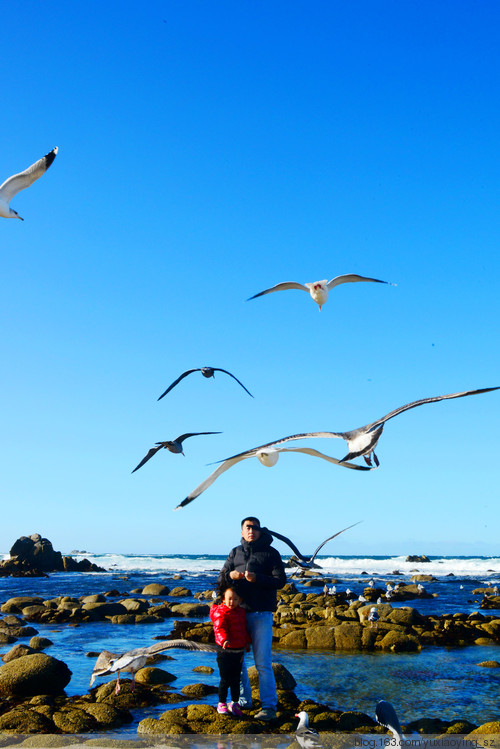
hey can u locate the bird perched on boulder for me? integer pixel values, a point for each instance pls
(307, 737)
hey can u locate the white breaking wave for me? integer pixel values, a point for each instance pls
(478, 567)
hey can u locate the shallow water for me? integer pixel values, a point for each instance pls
(437, 682)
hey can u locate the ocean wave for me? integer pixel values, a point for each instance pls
(343, 565)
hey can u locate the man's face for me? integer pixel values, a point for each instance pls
(250, 531)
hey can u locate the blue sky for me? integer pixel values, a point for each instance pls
(209, 150)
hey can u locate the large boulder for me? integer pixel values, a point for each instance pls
(37, 673)
(34, 555)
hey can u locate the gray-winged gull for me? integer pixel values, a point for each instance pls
(206, 372)
(307, 737)
(362, 441)
(268, 456)
(306, 562)
(131, 661)
(20, 181)
(319, 290)
(175, 446)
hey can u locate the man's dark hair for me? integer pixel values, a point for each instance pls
(252, 520)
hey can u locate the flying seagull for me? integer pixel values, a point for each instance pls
(131, 661)
(307, 737)
(362, 441)
(319, 290)
(206, 372)
(175, 446)
(20, 181)
(268, 455)
(386, 716)
(301, 560)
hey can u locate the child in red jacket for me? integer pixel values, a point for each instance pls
(231, 634)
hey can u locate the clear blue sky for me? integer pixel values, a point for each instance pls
(209, 150)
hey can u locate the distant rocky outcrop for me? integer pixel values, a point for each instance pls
(415, 558)
(34, 556)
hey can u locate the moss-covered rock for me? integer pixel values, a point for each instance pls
(74, 721)
(198, 691)
(152, 676)
(22, 720)
(155, 589)
(34, 674)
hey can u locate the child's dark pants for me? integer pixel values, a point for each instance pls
(229, 662)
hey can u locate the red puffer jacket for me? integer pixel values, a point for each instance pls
(230, 624)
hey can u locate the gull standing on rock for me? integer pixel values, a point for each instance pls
(133, 660)
(268, 455)
(206, 372)
(20, 181)
(307, 737)
(319, 290)
(175, 446)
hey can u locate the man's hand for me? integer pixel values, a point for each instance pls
(250, 576)
(235, 575)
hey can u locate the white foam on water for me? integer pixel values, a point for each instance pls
(478, 567)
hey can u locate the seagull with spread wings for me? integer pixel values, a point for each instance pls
(319, 290)
(20, 181)
(131, 661)
(268, 455)
(299, 559)
(174, 446)
(206, 372)
(362, 441)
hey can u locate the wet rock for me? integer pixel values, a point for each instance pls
(398, 642)
(74, 721)
(198, 691)
(416, 558)
(489, 664)
(203, 669)
(491, 727)
(34, 674)
(321, 638)
(348, 636)
(107, 716)
(190, 609)
(17, 652)
(40, 643)
(155, 589)
(152, 676)
(181, 592)
(21, 720)
(352, 720)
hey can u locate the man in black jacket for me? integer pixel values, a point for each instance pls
(256, 570)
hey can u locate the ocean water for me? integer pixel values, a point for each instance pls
(437, 682)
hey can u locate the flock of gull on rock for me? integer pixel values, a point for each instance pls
(361, 442)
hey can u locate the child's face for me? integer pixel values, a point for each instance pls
(231, 599)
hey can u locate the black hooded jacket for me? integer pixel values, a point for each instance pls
(259, 557)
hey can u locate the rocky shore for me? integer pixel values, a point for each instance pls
(32, 683)
(34, 556)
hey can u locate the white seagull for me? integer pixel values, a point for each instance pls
(319, 290)
(362, 441)
(20, 181)
(174, 446)
(133, 660)
(206, 372)
(268, 455)
(307, 737)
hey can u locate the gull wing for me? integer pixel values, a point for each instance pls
(176, 382)
(148, 456)
(317, 454)
(192, 434)
(280, 287)
(353, 278)
(305, 435)
(414, 404)
(20, 181)
(289, 543)
(225, 466)
(218, 369)
(158, 647)
(313, 557)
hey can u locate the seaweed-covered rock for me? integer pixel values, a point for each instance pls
(155, 589)
(190, 609)
(153, 676)
(74, 721)
(21, 720)
(17, 652)
(34, 674)
(198, 690)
